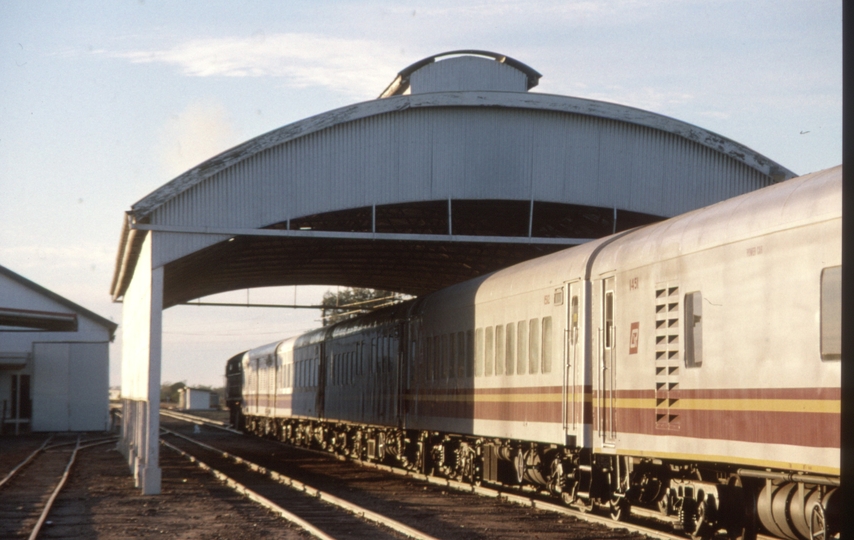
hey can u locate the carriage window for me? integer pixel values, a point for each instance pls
(488, 350)
(510, 349)
(693, 329)
(461, 354)
(444, 356)
(462, 360)
(452, 356)
(428, 359)
(478, 352)
(386, 357)
(534, 346)
(609, 318)
(469, 353)
(831, 313)
(547, 345)
(499, 349)
(521, 347)
(436, 369)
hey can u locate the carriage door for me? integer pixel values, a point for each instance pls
(572, 363)
(608, 363)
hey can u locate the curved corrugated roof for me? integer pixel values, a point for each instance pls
(528, 101)
(415, 192)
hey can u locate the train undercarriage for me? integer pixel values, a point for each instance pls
(700, 499)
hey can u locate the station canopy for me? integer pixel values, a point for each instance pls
(456, 169)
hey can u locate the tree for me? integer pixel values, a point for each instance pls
(169, 391)
(350, 302)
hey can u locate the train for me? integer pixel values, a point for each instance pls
(688, 369)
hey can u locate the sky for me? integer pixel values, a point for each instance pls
(103, 102)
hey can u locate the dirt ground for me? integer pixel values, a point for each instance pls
(100, 501)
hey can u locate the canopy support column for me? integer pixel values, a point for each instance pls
(142, 316)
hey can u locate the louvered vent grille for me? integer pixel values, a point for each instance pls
(668, 330)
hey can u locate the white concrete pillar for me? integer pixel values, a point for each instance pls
(142, 316)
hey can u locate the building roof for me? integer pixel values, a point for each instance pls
(457, 170)
(48, 321)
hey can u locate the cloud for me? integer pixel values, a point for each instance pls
(201, 131)
(571, 11)
(715, 115)
(355, 67)
(80, 271)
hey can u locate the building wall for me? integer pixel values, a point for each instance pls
(70, 386)
(69, 371)
(192, 398)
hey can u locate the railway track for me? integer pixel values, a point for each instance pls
(28, 491)
(319, 513)
(440, 507)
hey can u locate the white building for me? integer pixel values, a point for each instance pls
(193, 399)
(54, 360)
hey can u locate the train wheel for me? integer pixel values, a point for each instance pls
(663, 504)
(419, 463)
(818, 523)
(519, 465)
(584, 505)
(619, 508)
(701, 529)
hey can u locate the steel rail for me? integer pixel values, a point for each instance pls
(479, 490)
(323, 496)
(199, 420)
(59, 486)
(22, 464)
(517, 498)
(251, 495)
(85, 443)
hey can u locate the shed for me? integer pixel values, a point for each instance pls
(194, 399)
(54, 360)
(454, 171)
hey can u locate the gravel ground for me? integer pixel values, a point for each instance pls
(436, 510)
(100, 501)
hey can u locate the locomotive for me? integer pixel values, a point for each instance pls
(689, 368)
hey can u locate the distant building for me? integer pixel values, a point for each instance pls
(54, 360)
(194, 398)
